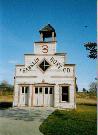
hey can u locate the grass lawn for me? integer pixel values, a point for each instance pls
(86, 98)
(82, 121)
(6, 98)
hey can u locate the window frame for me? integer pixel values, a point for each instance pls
(51, 90)
(26, 89)
(23, 89)
(46, 92)
(40, 90)
(35, 90)
(61, 94)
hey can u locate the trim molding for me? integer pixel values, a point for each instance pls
(26, 76)
(62, 76)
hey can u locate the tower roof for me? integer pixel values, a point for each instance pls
(47, 28)
(47, 31)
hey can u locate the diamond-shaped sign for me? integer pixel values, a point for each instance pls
(44, 65)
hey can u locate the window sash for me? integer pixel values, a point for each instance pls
(64, 94)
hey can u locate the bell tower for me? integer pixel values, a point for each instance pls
(47, 32)
(47, 43)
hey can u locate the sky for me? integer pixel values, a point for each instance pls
(21, 20)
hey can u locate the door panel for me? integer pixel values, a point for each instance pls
(24, 95)
(51, 92)
(38, 96)
(46, 96)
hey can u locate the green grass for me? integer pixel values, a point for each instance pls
(81, 121)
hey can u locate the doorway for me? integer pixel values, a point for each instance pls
(43, 96)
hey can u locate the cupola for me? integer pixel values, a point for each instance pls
(47, 32)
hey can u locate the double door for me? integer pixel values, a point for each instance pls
(43, 96)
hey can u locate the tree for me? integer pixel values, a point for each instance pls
(93, 87)
(84, 90)
(4, 83)
(76, 88)
(92, 49)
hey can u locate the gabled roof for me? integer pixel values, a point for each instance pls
(47, 28)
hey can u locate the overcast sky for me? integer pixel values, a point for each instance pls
(20, 21)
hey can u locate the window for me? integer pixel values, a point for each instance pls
(51, 90)
(36, 90)
(46, 90)
(22, 89)
(65, 94)
(40, 90)
(26, 89)
(44, 65)
(68, 69)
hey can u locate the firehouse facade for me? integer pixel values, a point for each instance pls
(45, 79)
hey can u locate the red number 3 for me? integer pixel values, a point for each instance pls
(44, 48)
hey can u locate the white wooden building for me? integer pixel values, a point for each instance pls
(45, 79)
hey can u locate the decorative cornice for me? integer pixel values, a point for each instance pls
(62, 54)
(45, 42)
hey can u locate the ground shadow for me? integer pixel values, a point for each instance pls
(5, 105)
